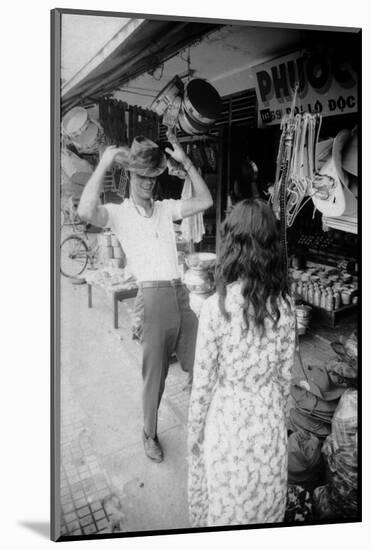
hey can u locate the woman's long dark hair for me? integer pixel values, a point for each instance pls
(251, 252)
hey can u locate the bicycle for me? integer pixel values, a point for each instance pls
(76, 250)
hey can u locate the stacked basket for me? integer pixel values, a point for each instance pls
(111, 252)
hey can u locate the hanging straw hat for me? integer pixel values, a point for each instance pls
(332, 196)
(144, 157)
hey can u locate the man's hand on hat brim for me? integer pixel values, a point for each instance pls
(111, 153)
(177, 153)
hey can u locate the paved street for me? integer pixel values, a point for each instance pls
(107, 483)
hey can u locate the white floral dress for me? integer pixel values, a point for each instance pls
(237, 440)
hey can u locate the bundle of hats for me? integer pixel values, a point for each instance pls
(316, 398)
(193, 108)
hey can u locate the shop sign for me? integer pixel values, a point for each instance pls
(327, 85)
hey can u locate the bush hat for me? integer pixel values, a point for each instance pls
(317, 382)
(144, 157)
(319, 428)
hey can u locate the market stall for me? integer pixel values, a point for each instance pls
(286, 132)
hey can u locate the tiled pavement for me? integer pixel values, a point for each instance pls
(89, 504)
(85, 492)
(102, 479)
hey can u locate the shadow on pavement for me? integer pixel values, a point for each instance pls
(40, 527)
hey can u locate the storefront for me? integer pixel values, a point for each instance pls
(252, 149)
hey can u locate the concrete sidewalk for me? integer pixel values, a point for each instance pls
(107, 483)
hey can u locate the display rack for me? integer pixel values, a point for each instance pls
(212, 216)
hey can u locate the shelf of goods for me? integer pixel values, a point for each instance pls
(330, 293)
(333, 317)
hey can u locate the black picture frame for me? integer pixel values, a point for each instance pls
(56, 116)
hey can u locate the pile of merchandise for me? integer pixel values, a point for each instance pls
(110, 250)
(322, 448)
(337, 499)
(81, 135)
(324, 287)
(111, 279)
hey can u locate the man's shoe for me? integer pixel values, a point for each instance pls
(152, 448)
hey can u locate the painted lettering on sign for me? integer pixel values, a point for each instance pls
(327, 84)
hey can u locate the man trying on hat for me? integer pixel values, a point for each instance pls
(145, 230)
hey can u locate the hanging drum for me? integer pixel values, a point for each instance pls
(188, 125)
(201, 101)
(74, 122)
(201, 107)
(85, 133)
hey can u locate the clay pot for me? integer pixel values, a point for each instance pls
(201, 260)
(303, 313)
(199, 281)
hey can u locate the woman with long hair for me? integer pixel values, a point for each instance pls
(237, 438)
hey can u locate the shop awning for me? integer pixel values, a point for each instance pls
(140, 46)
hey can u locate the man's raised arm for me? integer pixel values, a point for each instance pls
(89, 209)
(201, 199)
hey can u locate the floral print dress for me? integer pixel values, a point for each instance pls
(237, 439)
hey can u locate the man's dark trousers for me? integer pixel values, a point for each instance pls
(168, 325)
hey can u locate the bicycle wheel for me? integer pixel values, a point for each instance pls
(74, 256)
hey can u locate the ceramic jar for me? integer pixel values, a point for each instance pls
(346, 296)
(198, 280)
